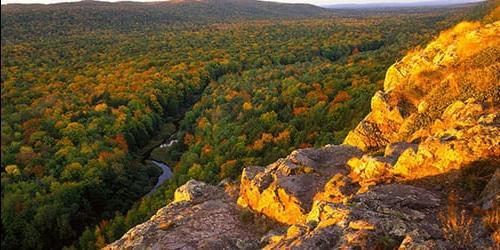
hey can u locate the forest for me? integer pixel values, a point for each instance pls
(80, 101)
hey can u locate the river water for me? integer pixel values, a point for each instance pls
(167, 173)
(168, 144)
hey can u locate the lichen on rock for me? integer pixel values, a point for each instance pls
(202, 217)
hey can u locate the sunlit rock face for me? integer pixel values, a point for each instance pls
(285, 189)
(465, 133)
(460, 64)
(392, 210)
(380, 127)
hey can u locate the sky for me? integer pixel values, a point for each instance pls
(316, 2)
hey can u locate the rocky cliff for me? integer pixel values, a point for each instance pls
(421, 171)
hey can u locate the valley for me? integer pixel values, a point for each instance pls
(97, 96)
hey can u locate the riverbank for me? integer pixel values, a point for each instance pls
(165, 133)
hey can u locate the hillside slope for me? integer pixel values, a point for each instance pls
(419, 172)
(22, 21)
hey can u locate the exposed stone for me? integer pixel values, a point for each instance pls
(338, 189)
(379, 127)
(490, 197)
(203, 217)
(419, 88)
(392, 211)
(447, 149)
(190, 191)
(369, 170)
(413, 241)
(361, 225)
(284, 190)
(394, 150)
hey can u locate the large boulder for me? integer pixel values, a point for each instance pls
(285, 190)
(437, 120)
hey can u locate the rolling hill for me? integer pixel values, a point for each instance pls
(89, 16)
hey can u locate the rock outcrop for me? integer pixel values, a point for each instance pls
(461, 64)
(382, 216)
(433, 133)
(201, 217)
(285, 189)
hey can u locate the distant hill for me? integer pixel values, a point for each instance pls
(434, 3)
(171, 10)
(63, 18)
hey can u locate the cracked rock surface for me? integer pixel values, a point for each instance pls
(201, 217)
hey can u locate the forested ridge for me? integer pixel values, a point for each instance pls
(80, 99)
(26, 22)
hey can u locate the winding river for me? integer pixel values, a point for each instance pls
(165, 143)
(166, 171)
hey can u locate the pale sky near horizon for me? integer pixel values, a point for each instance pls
(316, 2)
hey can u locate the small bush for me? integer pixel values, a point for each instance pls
(386, 242)
(456, 226)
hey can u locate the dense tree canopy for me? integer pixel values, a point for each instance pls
(78, 104)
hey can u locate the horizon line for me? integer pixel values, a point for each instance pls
(344, 3)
